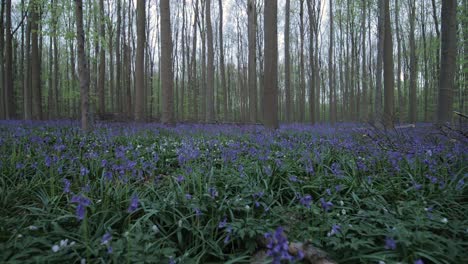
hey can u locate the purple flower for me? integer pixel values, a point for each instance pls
(213, 192)
(103, 163)
(172, 260)
(306, 200)
(278, 246)
(197, 212)
(326, 205)
(66, 186)
(180, 178)
(390, 243)
(419, 261)
(188, 196)
(133, 204)
(82, 202)
(84, 171)
(106, 238)
(223, 223)
(335, 229)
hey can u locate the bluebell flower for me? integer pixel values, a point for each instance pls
(278, 246)
(326, 205)
(106, 238)
(66, 185)
(223, 223)
(419, 261)
(82, 202)
(180, 178)
(213, 192)
(84, 171)
(133, 204)
(390, 243)
(306, 200)
(188, 196)
(197, 212)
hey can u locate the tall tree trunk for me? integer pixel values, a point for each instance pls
(140, 62)
(252, 34)
(2, 68)
(413, 64)
(287, 65)
(35, 63)
(426, 62)
(221, 62)
(9, 91)
(270, 91)
(102, 61)
(302, 64)
(55, 83)
(312, 25)
(82, 65)
(118, 59)
(379, 71)
(193, 63)
(330, 68)
(210, 115)
(388, 70)
(448, 60)
(398, 39)
(166, 64)
(365, 77)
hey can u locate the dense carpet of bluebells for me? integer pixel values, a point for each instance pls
(206, 193)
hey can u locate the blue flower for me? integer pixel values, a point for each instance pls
(419, 261)
(390, 243)
(188, 196)
(326, 205)
(133, 204)
(213, 192)
(84, 171)
(306, 200)
(180, 178)
(223, 223)
(66, 186)
(278, 246)
(106, 238)
(82, 202)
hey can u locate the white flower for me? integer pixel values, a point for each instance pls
(20, 236)
(444, 220)
(83, 261)
(381, 262)
(155, 228)
(55, 248)
(341, 203)
(247, 207)
(64, 243)
(32, 228)
(72, 243)
(343, 211)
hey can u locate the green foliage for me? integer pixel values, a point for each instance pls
(253, 181)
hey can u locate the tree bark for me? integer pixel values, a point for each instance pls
(210, 115)
(270, 92)
(9, 91)
(2, 68)
(413, 64)
(302, 64)
(388, 70)
(166, 64)
(330, 69)
(35, 63)
(82, 65)
(448, 60)
(252, 35)
(287, 65)
(140, 62)
(102, 61)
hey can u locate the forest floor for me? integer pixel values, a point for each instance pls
(223, 193)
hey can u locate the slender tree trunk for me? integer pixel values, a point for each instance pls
(9, 91)
(210, 115)
(365, 77)
(398, 38)
(102, 61)
(448, 60)
(426, 62)
(35, 63)
(388, 70)
(252, 35)
(166, 64)
(270, 92)
(380, 54)
(194, 65)
(82, 67)
(2, 68)
(413, 64)
(118, 59)
(221, 62)
(140, 62)
(302, 64)
(312, 25)
(287, 65)
(330, 68)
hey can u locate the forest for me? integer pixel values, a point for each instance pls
(233, 131)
